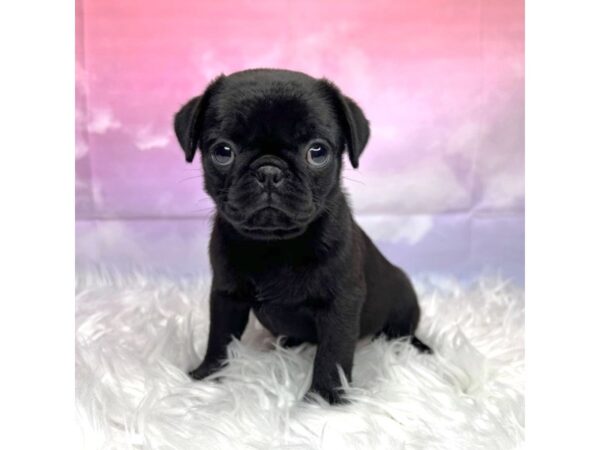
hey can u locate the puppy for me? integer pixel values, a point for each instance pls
(284, 243)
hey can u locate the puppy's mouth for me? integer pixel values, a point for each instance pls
(271, 223)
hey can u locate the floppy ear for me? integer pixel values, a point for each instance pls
(188, 121)
(354, 123)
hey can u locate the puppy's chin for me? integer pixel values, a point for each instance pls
(269, 224)
(270, 234)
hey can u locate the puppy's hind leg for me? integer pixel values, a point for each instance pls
(291, 342)
(400, 324)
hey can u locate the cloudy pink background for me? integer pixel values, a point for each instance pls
(441, 183)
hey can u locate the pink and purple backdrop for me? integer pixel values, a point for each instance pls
(441, 183)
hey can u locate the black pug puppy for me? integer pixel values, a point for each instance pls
(284, 243)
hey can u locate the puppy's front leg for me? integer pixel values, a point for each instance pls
(338, 330)
(228, 319)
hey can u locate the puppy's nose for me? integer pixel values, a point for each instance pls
(269, 175)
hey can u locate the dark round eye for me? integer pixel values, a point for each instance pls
(317, 155)
(222, 154)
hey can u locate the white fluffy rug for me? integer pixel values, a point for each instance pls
(137, 336)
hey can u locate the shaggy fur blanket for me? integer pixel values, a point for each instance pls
(138, 335)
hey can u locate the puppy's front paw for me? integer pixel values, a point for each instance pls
(333, 395)
(204, 370)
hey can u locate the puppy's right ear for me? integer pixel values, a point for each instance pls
(188, 121)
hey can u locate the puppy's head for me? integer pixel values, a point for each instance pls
(271, 143)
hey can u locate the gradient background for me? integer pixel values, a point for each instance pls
(440, 186)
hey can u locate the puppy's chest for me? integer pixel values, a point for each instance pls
(282, 279)
(284, 285)
(279, 287)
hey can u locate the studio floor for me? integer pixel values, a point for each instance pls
(138, 334)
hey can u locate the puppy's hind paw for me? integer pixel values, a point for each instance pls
(420, 346)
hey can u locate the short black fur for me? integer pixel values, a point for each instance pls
(284, 243)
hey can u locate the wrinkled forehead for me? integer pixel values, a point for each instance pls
(276, 114)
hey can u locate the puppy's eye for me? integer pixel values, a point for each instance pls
(222, 154)
(317, 155)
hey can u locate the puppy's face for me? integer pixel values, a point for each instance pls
(271, 143)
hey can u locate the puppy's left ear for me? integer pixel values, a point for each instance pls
(188, 121)
(353, 121)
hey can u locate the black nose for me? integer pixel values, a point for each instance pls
(269, 175)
